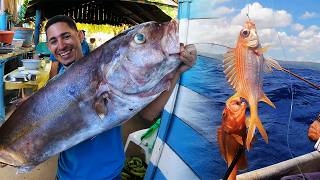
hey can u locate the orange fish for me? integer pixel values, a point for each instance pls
(232, 133)
(244, 66)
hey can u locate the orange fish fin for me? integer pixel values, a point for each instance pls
(271, 63)
(221, 143)
(251, 130)
(267, 100)
(263, 49)
(261, 129)
(247, 121)
(254, 122)
(237, 138)
(229, 62)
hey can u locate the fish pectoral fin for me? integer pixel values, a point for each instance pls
(100, 105)
(271, 63)
(237, 138)
(267, 100)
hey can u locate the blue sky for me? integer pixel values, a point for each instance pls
(290, 27)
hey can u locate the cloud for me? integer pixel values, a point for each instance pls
(264, 17)
(308, 15)
(271, 27)
(309, 32)
(220, 11)
(297, 27)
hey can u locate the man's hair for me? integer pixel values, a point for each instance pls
(61, 18)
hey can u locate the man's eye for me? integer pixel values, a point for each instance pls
(67, 36)
(53, 42)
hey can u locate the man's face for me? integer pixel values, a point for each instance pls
(64, 43)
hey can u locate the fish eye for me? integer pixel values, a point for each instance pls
(139, 38)
(245, 33)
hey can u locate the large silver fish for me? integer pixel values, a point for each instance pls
(96, 93)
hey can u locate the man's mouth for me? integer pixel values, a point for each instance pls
(65, 53)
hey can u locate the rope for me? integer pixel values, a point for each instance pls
(291, 103)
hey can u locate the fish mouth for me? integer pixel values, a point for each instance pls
(236, 104)
(170, 43)
(253, 43)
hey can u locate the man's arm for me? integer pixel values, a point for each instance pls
(54, 68)
(188, 55)
(314, 130)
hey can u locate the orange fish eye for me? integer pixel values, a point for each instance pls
(245, 33)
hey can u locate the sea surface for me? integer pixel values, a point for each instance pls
(297, 105)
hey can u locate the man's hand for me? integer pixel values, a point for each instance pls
(188, 55)
(314, 131)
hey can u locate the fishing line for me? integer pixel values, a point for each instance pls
(280, 68)
(292, 95)
(248, 10)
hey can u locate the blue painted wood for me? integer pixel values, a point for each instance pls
(184, 9)
(3, 21)
(2, 112)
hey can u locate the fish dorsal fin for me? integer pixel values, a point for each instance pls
(229, 63)
(271, 63)
(267, 100)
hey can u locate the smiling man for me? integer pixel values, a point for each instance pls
(64, 41)
(101, 157)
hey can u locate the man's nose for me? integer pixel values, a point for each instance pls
(61, 44)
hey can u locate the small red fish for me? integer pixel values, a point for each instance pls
(232, 133)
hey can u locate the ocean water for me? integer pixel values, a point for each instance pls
(286, 135)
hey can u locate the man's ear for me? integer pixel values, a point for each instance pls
(81, 35)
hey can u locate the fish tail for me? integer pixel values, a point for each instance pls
(254, 122)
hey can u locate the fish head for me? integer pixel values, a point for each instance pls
(234, 115)
(248, 35)
(146, 59)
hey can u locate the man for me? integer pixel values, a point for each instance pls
(101, 157)
(314, 132)
(56, 66)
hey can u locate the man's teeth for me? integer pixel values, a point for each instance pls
(65, 53)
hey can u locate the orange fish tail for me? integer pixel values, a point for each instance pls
(254, 122)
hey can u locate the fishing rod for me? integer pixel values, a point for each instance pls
(278, 67)
(234, 162)
(301, 78)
